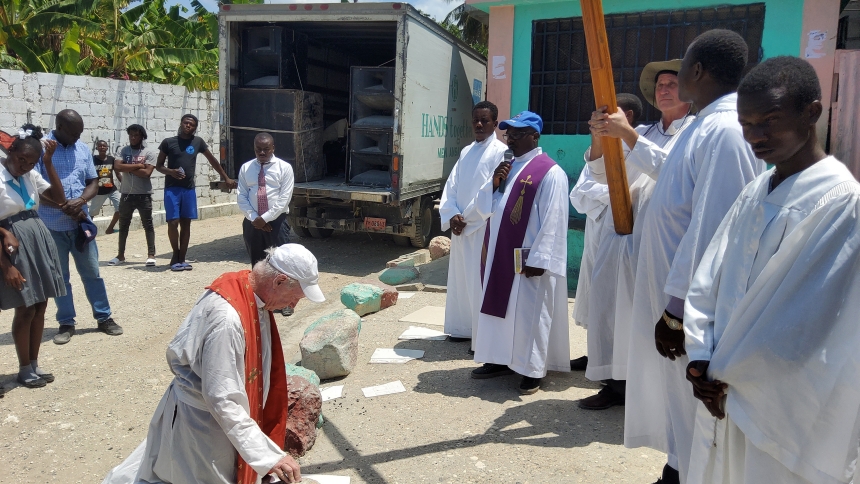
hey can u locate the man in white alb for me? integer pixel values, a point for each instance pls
(223, 418)
(522, 325)
(614, 266)
(704, 172)
(771, 317)
(456, 210)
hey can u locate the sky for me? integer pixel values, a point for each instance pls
(437, 9)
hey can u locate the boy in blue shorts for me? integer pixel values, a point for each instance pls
(180, 197)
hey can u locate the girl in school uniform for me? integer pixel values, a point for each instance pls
(29, 260)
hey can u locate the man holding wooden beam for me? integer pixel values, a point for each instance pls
(611, 299)
(701, 177)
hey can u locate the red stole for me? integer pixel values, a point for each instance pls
(235, 288)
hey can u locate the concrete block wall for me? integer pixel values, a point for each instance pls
(108, 106)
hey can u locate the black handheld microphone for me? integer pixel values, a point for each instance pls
(509, 156)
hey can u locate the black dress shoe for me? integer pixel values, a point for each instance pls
(579, 364)
(670, 476)
(529, 385)
(491, 370)
(605, 398)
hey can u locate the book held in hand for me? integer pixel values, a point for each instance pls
(521, 255)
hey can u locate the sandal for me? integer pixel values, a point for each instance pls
(37, 383)
(150, 262)
(187, 266)
(178, 267)
(115, 262)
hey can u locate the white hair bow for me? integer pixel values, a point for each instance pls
(23, 134)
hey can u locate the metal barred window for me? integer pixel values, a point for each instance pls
(560, 87)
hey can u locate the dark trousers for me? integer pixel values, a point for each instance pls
(143, 204)
(257, 241)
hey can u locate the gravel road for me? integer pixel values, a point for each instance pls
(445, 428)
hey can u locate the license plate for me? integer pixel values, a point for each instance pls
(375, 224)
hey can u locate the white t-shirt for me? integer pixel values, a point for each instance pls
(11, 201)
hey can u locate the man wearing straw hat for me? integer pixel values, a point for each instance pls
(610, 300)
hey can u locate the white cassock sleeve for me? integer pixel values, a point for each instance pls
(725, 164)
(589, 197)
(223, 388)
(597, 166)
(485, 202)
(549, 249)
(647, 157)
(700, 307)
(448, 204)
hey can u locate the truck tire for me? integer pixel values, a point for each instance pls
(402, 241)
(318, 233)
(423, 224)
(302, 232)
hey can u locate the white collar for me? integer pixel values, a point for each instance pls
(260, 304)
(5, 175)
(528, 156)
(729, 102)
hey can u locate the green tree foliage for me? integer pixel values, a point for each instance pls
(466, 28)
(117, 39)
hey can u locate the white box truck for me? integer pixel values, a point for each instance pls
(370, 102)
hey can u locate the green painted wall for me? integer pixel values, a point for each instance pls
(782, 36)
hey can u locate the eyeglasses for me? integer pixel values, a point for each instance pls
(517, 136)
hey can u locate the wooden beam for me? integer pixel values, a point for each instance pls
(604, 95)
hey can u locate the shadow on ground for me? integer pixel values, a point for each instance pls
(534, 424)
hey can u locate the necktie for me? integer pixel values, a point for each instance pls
(262, 200)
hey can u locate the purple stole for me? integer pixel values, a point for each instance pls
(512, 232)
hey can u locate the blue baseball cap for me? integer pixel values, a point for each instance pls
(525, 119)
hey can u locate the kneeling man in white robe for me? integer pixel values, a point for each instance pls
(522, 325)
(456, 210)
(223, 418)
(771, 319)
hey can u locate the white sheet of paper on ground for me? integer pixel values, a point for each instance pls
(322, 479)
(417, 332)
(405, 295)
(330, 393)
(395, 355)
(433, 315)
(387, 389)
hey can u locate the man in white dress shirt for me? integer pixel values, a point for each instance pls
(473, 169)
(614, 265)
(701, 177)
(522, 325)
(265, 191)
(223, 418)
(771, 316)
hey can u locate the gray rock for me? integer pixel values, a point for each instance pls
(330, 344)
(413, 287)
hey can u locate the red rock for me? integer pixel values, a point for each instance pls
(305, 406)
(439, 247)
(389, 298)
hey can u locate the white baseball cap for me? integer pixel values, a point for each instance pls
(297, 262)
